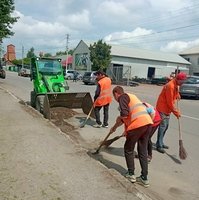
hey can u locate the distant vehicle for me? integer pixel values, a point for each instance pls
(159, 81)
(70, 75)
(2, 73)
(24, 72)
(190, 88)
(89, 78)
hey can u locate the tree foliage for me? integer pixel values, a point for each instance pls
(30, 53)
(6, 20)
(100, 55)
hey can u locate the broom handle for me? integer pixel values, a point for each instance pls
(109, 133)
(179, 125)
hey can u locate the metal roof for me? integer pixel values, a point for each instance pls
(146, 54)
(124, 51)
(193, 50)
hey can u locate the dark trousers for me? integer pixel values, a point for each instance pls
(105, 114)
(139, 136)
(152, 130)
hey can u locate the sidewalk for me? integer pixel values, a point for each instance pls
(39, 162)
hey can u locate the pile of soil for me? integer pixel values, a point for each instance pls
(59, 116)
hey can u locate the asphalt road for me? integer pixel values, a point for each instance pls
(170, 177)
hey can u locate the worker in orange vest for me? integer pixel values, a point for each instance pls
(102, 98)
(137, 122)
(166, 105)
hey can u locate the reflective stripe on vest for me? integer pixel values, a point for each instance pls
(138, 115)
(105, 96)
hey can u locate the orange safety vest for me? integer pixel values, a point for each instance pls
(105, 92)
(138, 115)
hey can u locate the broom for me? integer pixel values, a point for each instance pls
(182, 151)
(107, 143)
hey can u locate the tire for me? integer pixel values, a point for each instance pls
(39, 103)
(32, 98)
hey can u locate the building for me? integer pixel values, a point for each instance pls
(10, 54)
(128, 63)
(192, 55)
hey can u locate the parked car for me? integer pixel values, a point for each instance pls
(159, 81)
(89, 78)
(24, 72)
(190, 88)
(2, 73)
(70, 75)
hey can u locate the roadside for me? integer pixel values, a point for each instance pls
(39, 162)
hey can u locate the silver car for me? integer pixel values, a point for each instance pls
(190, 88)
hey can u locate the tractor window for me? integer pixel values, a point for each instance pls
(49, 67)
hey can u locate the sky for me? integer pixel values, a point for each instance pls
(162, 25)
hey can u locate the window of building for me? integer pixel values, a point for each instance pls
(188, 59)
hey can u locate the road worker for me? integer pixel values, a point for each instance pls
(137, 121)
(102, 98)
(166, 105)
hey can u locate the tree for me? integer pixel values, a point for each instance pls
(6, 20)
(100, 55)
(47, 55)
(31, 53)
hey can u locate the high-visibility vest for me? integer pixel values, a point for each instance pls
(105, 96)
(138, 115)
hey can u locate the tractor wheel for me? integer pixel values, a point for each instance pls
(32, 98)
(39, 104)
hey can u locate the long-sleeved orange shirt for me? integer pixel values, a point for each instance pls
(167, 98)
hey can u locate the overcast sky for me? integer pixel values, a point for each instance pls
(166, 25)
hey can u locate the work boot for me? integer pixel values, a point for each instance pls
(144, 182)
(160, 149)
(130, 177)
(165, 146)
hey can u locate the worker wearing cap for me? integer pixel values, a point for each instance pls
(102, 98)
(166, 105)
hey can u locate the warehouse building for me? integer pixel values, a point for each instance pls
(127, 63)
(192, 55)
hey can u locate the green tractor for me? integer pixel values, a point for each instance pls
(50, 89)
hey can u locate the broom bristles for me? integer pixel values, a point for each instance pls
(182, 151)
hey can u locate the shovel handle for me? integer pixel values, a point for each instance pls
(103, 141)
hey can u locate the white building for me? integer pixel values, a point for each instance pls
(128, 62)
(192, 55)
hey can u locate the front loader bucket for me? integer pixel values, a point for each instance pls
(69, 100)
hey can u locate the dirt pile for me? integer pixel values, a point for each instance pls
(59, 116)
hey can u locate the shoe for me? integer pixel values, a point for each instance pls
(161, 150)
(149, 158)
(165, 147)
(105, 126)
(130, 177)
(142, 182)
(97, 125)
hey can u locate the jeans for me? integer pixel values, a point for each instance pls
(105, 114)
(164, 124)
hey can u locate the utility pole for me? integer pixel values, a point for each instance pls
(0, 53)
(22, 56)
(67, 41)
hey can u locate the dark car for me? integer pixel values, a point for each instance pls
(159, 81)
(190, 88)
(89, 78)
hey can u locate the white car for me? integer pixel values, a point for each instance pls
(70, 75)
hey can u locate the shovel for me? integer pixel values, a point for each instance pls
(107, 143)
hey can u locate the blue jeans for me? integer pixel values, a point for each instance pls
(164, 124)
